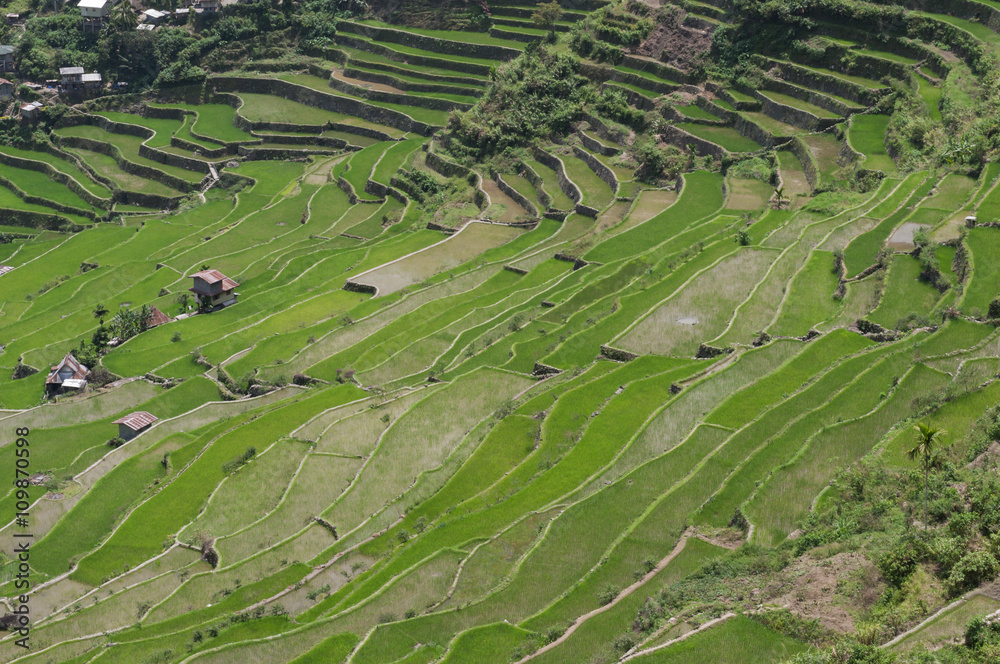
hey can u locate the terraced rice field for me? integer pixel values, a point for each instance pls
(436, 430)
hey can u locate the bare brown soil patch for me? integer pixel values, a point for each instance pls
(679, 45)
(809, 589)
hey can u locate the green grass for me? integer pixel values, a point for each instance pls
(62, 165)
(931, 94)
(129, 146)
(426, 115)
(596, 191)
(905, 294)
(726, 137)
(393, 158)
(451, 35)
(867, 136)
(550, 183)
(736, 640)
(36, 183)
(361, 165)
(164, 128)
(700, 197)
(746, 405)
(984, 286)
(694, 111)
(794, 102)
(215, 121)
(269, 108)
(809, 300)
(863, 250)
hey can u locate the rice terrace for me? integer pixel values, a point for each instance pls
(458, 331)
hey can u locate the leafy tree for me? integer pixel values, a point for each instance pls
(545, 16)
(100, 311)
(925, 453)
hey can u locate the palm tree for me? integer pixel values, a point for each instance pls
(925, 454)
(779, 197)
(124, 17)
(100, 311)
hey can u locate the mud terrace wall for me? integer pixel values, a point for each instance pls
(317, 99)
(754, 131)
(724, 94)
(263, 153)
(617, 354)
(724, 114)
(444, 46)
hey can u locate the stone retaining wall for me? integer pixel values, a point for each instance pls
(596, 146)
(432, 44)
(389, 79)
(314, 141)
(176, 160)
(724, 94)
(517, 196)
(131, 167)
(317, 99)
(641, 102)
(682, 139)
(535, 179)
(441, 80)
(512, 35)
(617, 355)
(433, 103)
(659, 68)
(599, 168)
(598, 127)
(555, 163)
(827, 84)
(419, 60)
(795, 116)
(37, 220)
(45, 202)
(821, 100)
(728, 117)
(263, 153)
(805, 156)
(754, 131)
(58, 176)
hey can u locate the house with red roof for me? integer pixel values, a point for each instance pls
(157, 318)
(67, 375)
(214, 290)
(135, 423)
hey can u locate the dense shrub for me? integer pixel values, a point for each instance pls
(534, 96)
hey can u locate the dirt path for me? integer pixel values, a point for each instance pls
(709, 625)
(607, 607)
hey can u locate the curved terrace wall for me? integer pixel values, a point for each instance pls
(810, 96)
(420, 60)
(828, 84)
(794, 116)
(517, 196)
(599, 168)
(389, 79)
(45, 202)
(37, 220)
(555, 163)
(805, 156)
(328, 102)
(432, 44)
(433, 103)
(58, 176)
(677, 136)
